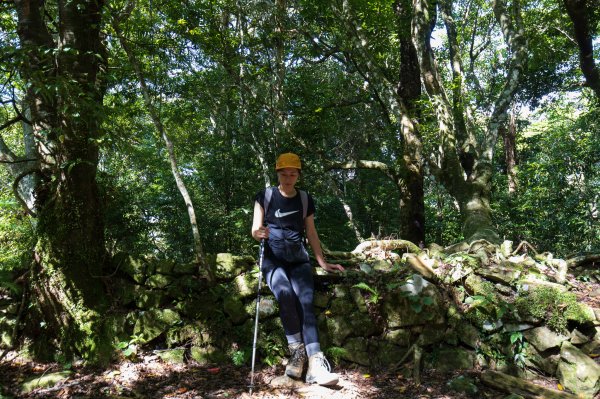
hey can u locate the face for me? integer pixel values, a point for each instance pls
(288, 176)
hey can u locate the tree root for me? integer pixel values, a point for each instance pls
(387, 245)
(581, 260)
(524, 244)
(19, 317)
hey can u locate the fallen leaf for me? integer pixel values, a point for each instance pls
(214, 370)
(367, 375)
(560, 387)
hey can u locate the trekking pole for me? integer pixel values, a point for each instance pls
(260, 261)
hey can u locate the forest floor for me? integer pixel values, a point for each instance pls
(151, 378)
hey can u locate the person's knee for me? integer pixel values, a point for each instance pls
(285, 295)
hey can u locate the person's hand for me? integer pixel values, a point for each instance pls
(332, 267)
(262, 233)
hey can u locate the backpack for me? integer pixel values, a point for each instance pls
(303, 198)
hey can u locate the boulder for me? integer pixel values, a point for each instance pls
(152, 323)
(234, 308)
(173, 356)
(228, 266)
(542, 338)
(45, 381)
(356, 350)
(398, 310)
(448, 359)
(577, 372)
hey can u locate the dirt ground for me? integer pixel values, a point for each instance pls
(152, 378)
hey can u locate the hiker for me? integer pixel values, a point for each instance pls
(287, 213)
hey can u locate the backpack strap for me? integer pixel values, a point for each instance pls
(267, 199)
(304, 199)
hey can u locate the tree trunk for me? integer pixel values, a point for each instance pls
(412, 202)
(400, 100)
(199, 256)
(70, 253)
(464, 164)
(581, 14)
(509, 135)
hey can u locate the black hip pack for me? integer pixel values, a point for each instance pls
(291, 251)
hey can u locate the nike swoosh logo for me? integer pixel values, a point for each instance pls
(279, 214)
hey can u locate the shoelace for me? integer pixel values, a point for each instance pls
(297, 355)
(323, 362)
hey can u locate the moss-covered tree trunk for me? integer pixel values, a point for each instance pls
(463, 163)
(63, 72)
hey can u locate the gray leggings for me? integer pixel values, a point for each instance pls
(293, 287)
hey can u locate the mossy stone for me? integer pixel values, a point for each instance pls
(152, 323)
(44, 381)
(172, 356)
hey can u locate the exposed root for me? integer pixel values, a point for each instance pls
(524, 244)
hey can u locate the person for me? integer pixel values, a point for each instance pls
(287, 268)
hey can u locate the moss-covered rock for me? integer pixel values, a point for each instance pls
(132, 266)
(542, 338)
(554, 306)
(468, 335)
(44, 381)
(384, 353)
(152, 323)
(192, 333)
(234, 308)
(578, 372)
(207, 355)
(341, 326)
(228, 266)
(402, 310)
(399, 337)
(449, 359)
(185, 269)
(246, 284)
(356, 350)
(173, 356)
(267, 307)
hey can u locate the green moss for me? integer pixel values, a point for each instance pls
(553, 306)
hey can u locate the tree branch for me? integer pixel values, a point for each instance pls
(15, 187)
(580, 16)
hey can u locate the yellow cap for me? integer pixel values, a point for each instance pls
(288, 160)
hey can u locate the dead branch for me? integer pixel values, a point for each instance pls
(511, 384)
(583, 259)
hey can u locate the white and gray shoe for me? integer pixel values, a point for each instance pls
(319, 371)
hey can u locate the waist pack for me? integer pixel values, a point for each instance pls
(290, 251)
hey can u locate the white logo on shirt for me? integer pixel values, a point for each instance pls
(279, 214)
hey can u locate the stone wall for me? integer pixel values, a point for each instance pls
(500, 313)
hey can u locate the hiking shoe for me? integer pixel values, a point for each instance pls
(319, 371)
(295, 365)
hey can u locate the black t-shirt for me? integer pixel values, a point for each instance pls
(284, 215)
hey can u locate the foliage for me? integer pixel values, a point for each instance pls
(555, 207)
(374, 297)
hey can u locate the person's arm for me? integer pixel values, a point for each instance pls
(259, 231)
(315, 244)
